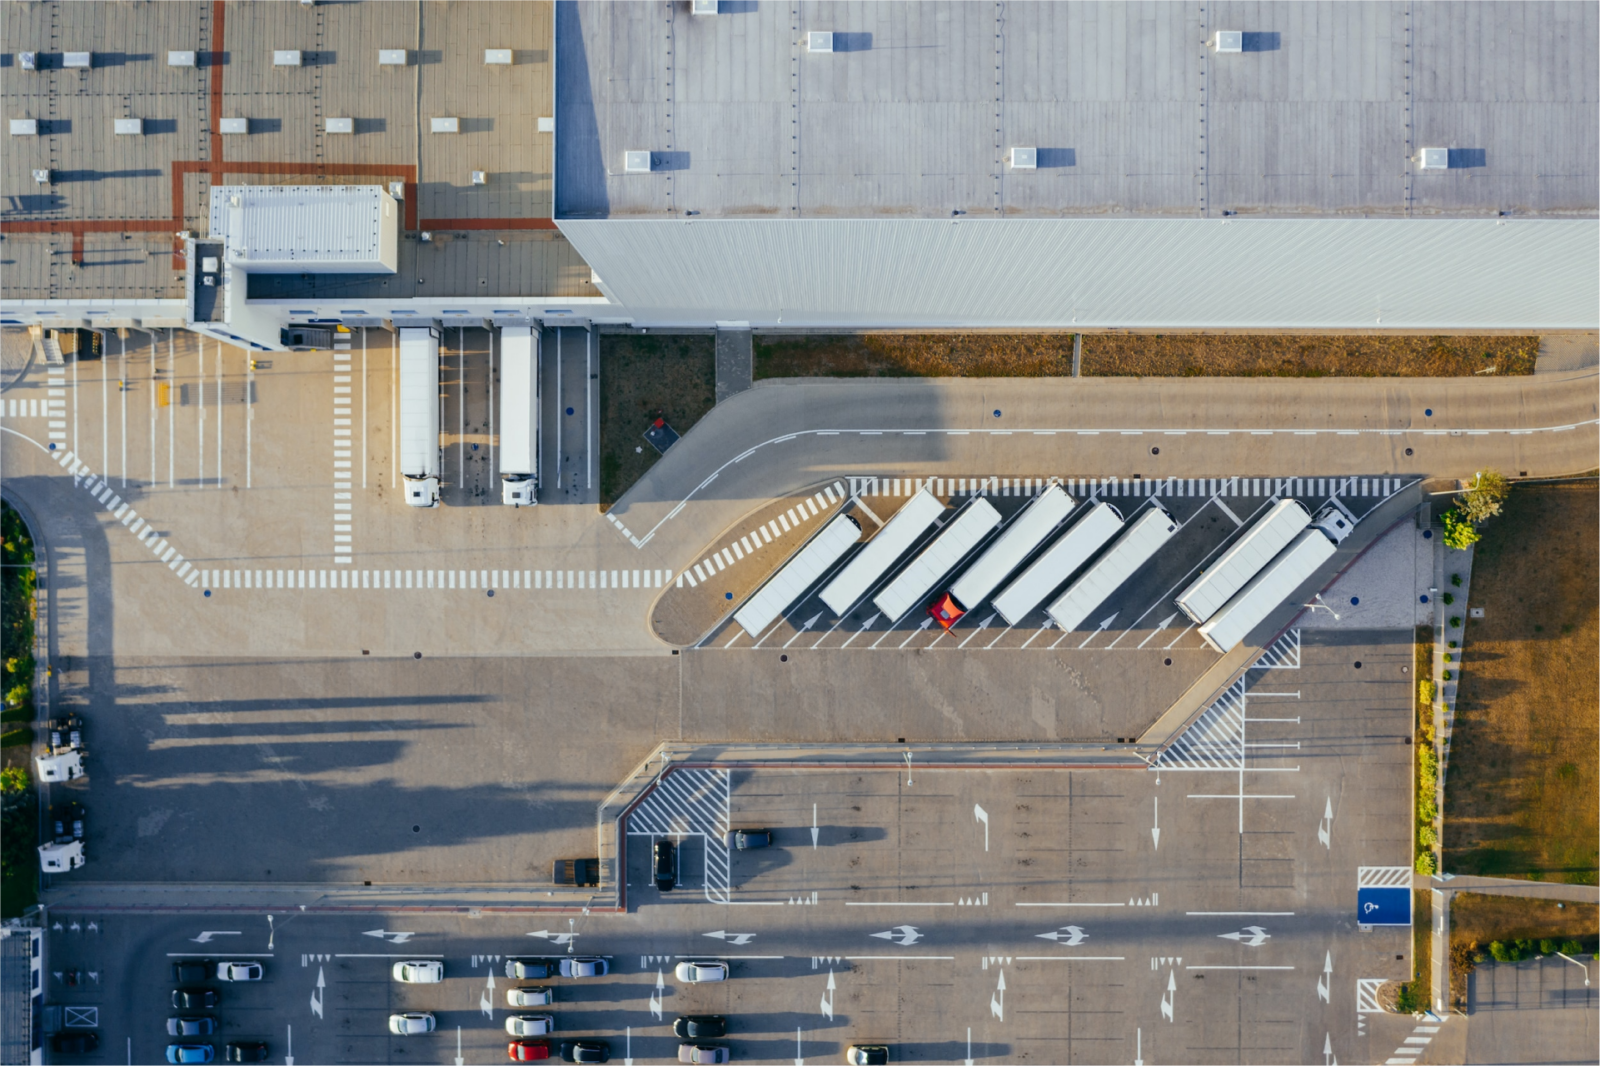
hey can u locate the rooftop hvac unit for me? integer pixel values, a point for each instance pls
(24, 127)
(235, 125)
(129, 127)
(180, 59)
(547, 123)
(42, 177)
(819, 41)
(702, 7)
(1230, 41)
(339, 125)
(497, 57)
(397, 189)
(28, 60)
(1024, 158)
(444, 125)
(632, 162)
(480, 177)
(289, 57)
(77, 60)
(1434, 159)
(392, 57)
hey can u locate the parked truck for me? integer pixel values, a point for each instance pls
(1140, 539)
(419, 415)
(1278, 580)
(1265, 538)
(1096, 524)
(797, 575)
(954, 542)
(519, 416)
(872, 562)
(579, 873)
(1029, 530)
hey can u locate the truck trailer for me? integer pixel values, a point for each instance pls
(797, 575)
(519, 416)
(1276, 582)
(1268, 536)
(963, 533)
(1029, 530)
(873, 561)
(419, 415)
(1140, 540)
(1097, 524)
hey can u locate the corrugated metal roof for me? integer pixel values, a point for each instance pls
(1137, 273)
(305, 226)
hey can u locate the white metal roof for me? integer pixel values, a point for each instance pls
(937, 559)
(1265, 538)
(797, 575)
(1267, 590)
(340, 228)
(1142, 538)
(1097, 524)
(890, 542)
(1026, 532)
(1101, 273)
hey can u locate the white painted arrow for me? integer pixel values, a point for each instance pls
(655, 996)
(827, 1000)
(627, 1054)
(983, 816)
(738, 940)
(1325, 982)
(904, 935)
(1101, 628)
(1165, 622)
(799, 1059)
(981, 627)
(1327, 1049)
(393, 938)
(459, 1060)
(1072, 934)
(316, 994)
(968, 1060)
(1251, 936)
(1169, 1000)
(1138, 1047)
(997, 1002)
(814, 830)
(205, 937)
(288, 1056)
(1325, 827)
(805, 626)
(1155, 829)
(557, 938)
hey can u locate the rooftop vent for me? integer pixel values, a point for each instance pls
(1433, 159)
(480, 177)
(180, 59)
(497, 57)
(133, 127)
(28, 60)
(339, 125)
(235, 125)
(818, 41)
(632, 162)
(1024, 159)
(289, 57)
(24, 127)
(397, 189)
(77, 60)
(702, 7)
(1230, 41)
(444, 125)
(42, 177)
(392, 57)
(547, 124)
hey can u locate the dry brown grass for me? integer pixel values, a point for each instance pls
(1521, 791)
(888, 355)
(1270, 355)
(1479, 918)
(644, 378)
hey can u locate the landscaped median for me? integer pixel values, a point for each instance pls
(19, 803)
(1494, 928)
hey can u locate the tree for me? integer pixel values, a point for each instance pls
(1482, 501)
(13, 779)
(1459, 532)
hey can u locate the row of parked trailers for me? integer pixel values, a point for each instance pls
(1278, 553)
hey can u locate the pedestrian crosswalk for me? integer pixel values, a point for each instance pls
(491, 580)
(690, 802)
(52, 407)
(792, 522)
(1415, 1044)
(145, 533)
(343, 454)
(1114, 486)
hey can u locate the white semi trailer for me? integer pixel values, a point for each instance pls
(1277, 581)
(1097, 524)
(797, 575)
(891, 542)
(1029, 530)
(419, 415)
(1141, 538)
(1268, 536)
(519, 416)
(955, 540)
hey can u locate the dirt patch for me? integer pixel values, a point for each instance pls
(645, 377)
(1521, 927)
(1521, 790)
(930, 355)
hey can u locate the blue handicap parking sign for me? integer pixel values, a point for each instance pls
(1383, 906)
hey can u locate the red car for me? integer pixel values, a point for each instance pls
(527, 1051)
(945, 612)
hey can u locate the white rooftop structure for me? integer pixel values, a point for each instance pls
(335, 229)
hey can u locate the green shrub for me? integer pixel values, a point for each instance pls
(1427, 810)
(13, 780)
(1455, 579)
(1502, 952)
(1482, 501)
(1571, 947)
(1455, 621)
(1547, 947)
(1426, 690)
(1448, 599)
(1427, 863)
(1409, 1000)
(1459, 532)
(1451, 644)
(1448, 676)
(1427, 837)
(1449, 658)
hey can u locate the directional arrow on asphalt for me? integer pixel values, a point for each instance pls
(1170, 999)
(997, 1002)
(288, 1056)
(1325, 827)
(926, 622)
(1327, 1051)
(316, 994)
(1251, 936)
(1071, 934)
(814, 830)
(738, 940)
(1155, 829)
(982, 815)
(904, 935)
(393, 938)
(557, 938)
(1165, 622)
(1325, 982)
(1101, 628)
(655, 996)
(981, 627)
(205, 937)
(486, 999)
(805, 626)
(827, 1000)
(1138, 1047)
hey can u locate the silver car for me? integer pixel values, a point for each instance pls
(695, 973)
(584, 966)
(530, 1025)
(411, 1023)
(530, 997)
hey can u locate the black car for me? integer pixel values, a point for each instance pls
(745, 839)
(204, 1025)
(585, 1051)
(194, 998)
(66, 822)
(526, 969)
(191, 970)
(666, 865)
(74, 1043)
(247, 1051)
(700, 1026)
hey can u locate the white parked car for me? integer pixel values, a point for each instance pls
(584, 966)
(530, 997)
(419, 972)
(411, 1023)
(695, 973)
(239, 971)
(530, 1025)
